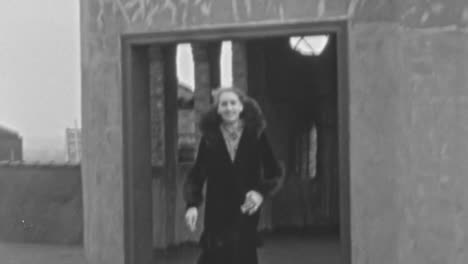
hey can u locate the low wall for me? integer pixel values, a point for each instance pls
(41, 204)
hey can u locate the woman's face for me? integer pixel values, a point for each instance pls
(229, 107)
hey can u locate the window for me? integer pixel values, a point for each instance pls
(309, 45)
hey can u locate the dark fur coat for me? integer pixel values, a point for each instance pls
(227, 230)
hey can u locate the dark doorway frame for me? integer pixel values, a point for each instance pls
(135, 121)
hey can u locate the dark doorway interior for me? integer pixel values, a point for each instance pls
(298, 94)
(305, 100)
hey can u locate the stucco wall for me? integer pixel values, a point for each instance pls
(408, 127)
(408, 133)
(41, 204)
(408, 119)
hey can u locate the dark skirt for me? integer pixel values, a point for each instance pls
(228, 249)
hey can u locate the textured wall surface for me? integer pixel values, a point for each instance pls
(41, 204)
(409, 109)
(409, 121)
(102, 23)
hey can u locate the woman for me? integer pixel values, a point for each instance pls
(237, 163)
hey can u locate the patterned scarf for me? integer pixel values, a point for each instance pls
(232, 135)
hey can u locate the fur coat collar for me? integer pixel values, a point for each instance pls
(252, 116)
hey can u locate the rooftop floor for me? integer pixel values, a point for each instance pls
(294, 249)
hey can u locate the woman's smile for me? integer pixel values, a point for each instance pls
(229, 107)
(235, 187)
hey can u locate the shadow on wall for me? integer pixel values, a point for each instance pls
(41, 204)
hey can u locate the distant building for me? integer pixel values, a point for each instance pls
(11, 145)
(73, 141)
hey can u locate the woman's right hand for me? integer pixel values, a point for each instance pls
(191, 217)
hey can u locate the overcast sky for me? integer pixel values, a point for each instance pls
(40, 69)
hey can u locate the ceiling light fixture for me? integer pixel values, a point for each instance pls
(309, 45)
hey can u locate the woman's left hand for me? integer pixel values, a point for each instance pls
(253, 201)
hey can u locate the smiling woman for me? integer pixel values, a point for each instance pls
(237, 164)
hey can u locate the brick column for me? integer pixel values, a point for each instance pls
(239, 65)
(207, 74)
(214, 53)
(157, 110)
(163, 116)
(202, 91)
(172, 135)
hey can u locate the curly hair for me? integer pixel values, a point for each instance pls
(233, 89)
(251, 114)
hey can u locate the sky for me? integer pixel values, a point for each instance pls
(40, 70)
(40, 80)
(185, 71)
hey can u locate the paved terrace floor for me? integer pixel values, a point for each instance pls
(294, 249)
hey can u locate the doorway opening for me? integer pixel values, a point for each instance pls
(298, 74)
(296, 86)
